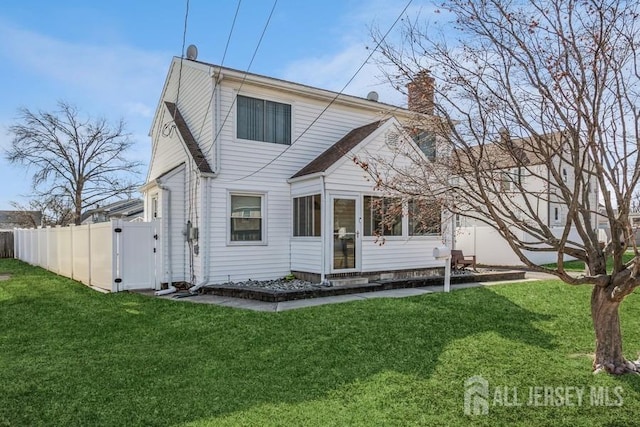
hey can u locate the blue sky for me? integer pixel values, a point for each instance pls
(110, 58)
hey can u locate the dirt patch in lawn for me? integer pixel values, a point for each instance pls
(4, 277)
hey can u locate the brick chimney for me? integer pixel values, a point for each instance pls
(420, 91)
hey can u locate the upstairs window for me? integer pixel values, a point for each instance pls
(510, 179)
(261, 120)
(307, 216)
(382, 217)
(427, 142)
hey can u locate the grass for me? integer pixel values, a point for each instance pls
(577, 265)
(72, 356)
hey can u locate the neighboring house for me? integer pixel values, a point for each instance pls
(20, 219)
(605, 231)
(131, 210)
(530, 182)
(253, 177)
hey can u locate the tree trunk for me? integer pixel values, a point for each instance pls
(606, 323)
(78, 205)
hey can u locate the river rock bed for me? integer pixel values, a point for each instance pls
(297, 284)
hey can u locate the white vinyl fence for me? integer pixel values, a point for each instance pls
(491, 249)
(113, 256)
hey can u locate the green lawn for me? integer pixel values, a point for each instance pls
(72, 356)
(576, 265)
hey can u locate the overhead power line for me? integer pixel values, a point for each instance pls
(334, 98)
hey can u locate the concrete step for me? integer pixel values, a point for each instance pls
(345, 281)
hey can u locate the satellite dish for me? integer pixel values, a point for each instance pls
(192, 52)
(372, 96)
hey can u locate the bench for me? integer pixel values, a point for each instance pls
(458, 260)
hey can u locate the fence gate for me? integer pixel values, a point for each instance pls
(135, 255)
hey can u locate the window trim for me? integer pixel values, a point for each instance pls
(432, 156)
(263, 97)
(264, 218)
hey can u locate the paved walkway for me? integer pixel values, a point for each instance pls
(311, 302)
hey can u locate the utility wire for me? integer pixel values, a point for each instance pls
(213, 91)
(215, 82)
(184, 40)
(244, 78)
(332, 101)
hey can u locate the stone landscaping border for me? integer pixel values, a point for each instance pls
(273, 295)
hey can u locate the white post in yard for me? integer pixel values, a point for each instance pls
(447, 273)
(444, 253)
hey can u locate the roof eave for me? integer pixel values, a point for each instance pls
(306, 177)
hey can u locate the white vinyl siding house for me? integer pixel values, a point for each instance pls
(241, 144)
(529, 187)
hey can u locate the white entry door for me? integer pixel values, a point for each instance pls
(345, 247)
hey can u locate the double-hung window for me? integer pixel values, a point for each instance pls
(247, 220)
(262, 120)
(307, 216)
(513, 178)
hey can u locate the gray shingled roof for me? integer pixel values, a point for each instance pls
(194, 149)
(334, 153)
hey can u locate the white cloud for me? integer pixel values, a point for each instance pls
(334, 71)
(113, 76)
(139, 108)
(114, 81)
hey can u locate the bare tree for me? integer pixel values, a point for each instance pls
(635, 202)
(79, 162)
(53, 210)
(542, 91)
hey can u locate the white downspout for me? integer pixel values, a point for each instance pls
(326, 230)
(166, 230)
(204, 196)
(204, 236)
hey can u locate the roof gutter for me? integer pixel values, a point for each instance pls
(306, 177)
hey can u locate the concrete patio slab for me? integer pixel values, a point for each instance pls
(397, 293)
(312, 302)
(256, 305)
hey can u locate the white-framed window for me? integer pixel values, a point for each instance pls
(307, 216)
(564, 174)
(247, 218)
(382, 216)
(262, 120)
(425, 217)
(511, 178)
(426, 140)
